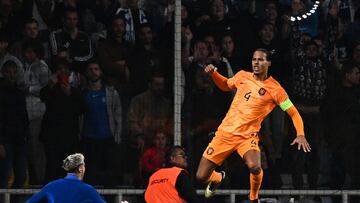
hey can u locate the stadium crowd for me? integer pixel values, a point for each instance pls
(96, 77)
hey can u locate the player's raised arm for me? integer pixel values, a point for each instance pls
(219, 80)
(299, 126)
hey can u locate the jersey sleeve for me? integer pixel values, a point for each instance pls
(282, 99)
(231, 82)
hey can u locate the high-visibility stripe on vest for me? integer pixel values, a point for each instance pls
(161, 187)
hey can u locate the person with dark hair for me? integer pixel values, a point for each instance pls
(340, 112)
(172, 183)
(31, 32)
(14, 128)
(36, 76)
(71, 188)
(113, 54)
(153, 59)
(256, 96)
(60, 124)
(102, 128)
(75, 41)
(134, 17)
(153, 157)
(6, 56)
(149, 111)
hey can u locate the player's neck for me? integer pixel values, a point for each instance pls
(260, 77)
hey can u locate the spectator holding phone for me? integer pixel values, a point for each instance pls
(60, 124)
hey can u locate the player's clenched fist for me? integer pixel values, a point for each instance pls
(210, 68)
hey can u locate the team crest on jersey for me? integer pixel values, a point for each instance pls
(209, 151)
(262, 91)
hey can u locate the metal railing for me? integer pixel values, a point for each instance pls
(119, 193)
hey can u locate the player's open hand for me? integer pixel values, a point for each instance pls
(302, 143)
(210, 68)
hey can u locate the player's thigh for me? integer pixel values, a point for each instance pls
(248, 144)
(219, 149)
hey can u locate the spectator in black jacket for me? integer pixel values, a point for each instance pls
(14, 128)
(76, 42)
(60, 124)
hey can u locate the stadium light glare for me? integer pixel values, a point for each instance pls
(307, 14)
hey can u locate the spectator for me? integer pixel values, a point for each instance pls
(42, 12)
(340, 111)
(71, 38)
(205, 51)
(153, 59)
(229, 52)
(113, 54)
(60, 124)
(134, 17)
(10, 18)
(214, 20)
(31, 32)
(102, 130)
(14, 128)
(36, 76)
(153, 157)
(6, 56)
(104, 12)
(160, 13)
(149, 111)
(308, 89)
(177, 187)
(71, 188)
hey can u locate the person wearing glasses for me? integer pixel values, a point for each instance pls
(172, 183)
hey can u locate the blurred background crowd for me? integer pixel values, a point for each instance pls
(96, 76)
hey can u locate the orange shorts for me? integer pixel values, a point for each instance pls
(223, 144)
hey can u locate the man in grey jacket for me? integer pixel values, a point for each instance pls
(102, 127)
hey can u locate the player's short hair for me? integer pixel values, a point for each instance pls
(267, 52)
(72, 162)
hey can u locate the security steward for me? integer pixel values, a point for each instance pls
(172, 183)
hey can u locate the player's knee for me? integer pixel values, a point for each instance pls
(254, 167)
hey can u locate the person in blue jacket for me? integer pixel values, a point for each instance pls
(70, 189)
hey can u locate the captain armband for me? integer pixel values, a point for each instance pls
(286, 105)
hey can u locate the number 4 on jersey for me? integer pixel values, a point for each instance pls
(247, 96)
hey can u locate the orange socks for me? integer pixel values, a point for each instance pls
(255, 183)
(215, 177)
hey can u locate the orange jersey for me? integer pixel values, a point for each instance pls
(252, 102)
